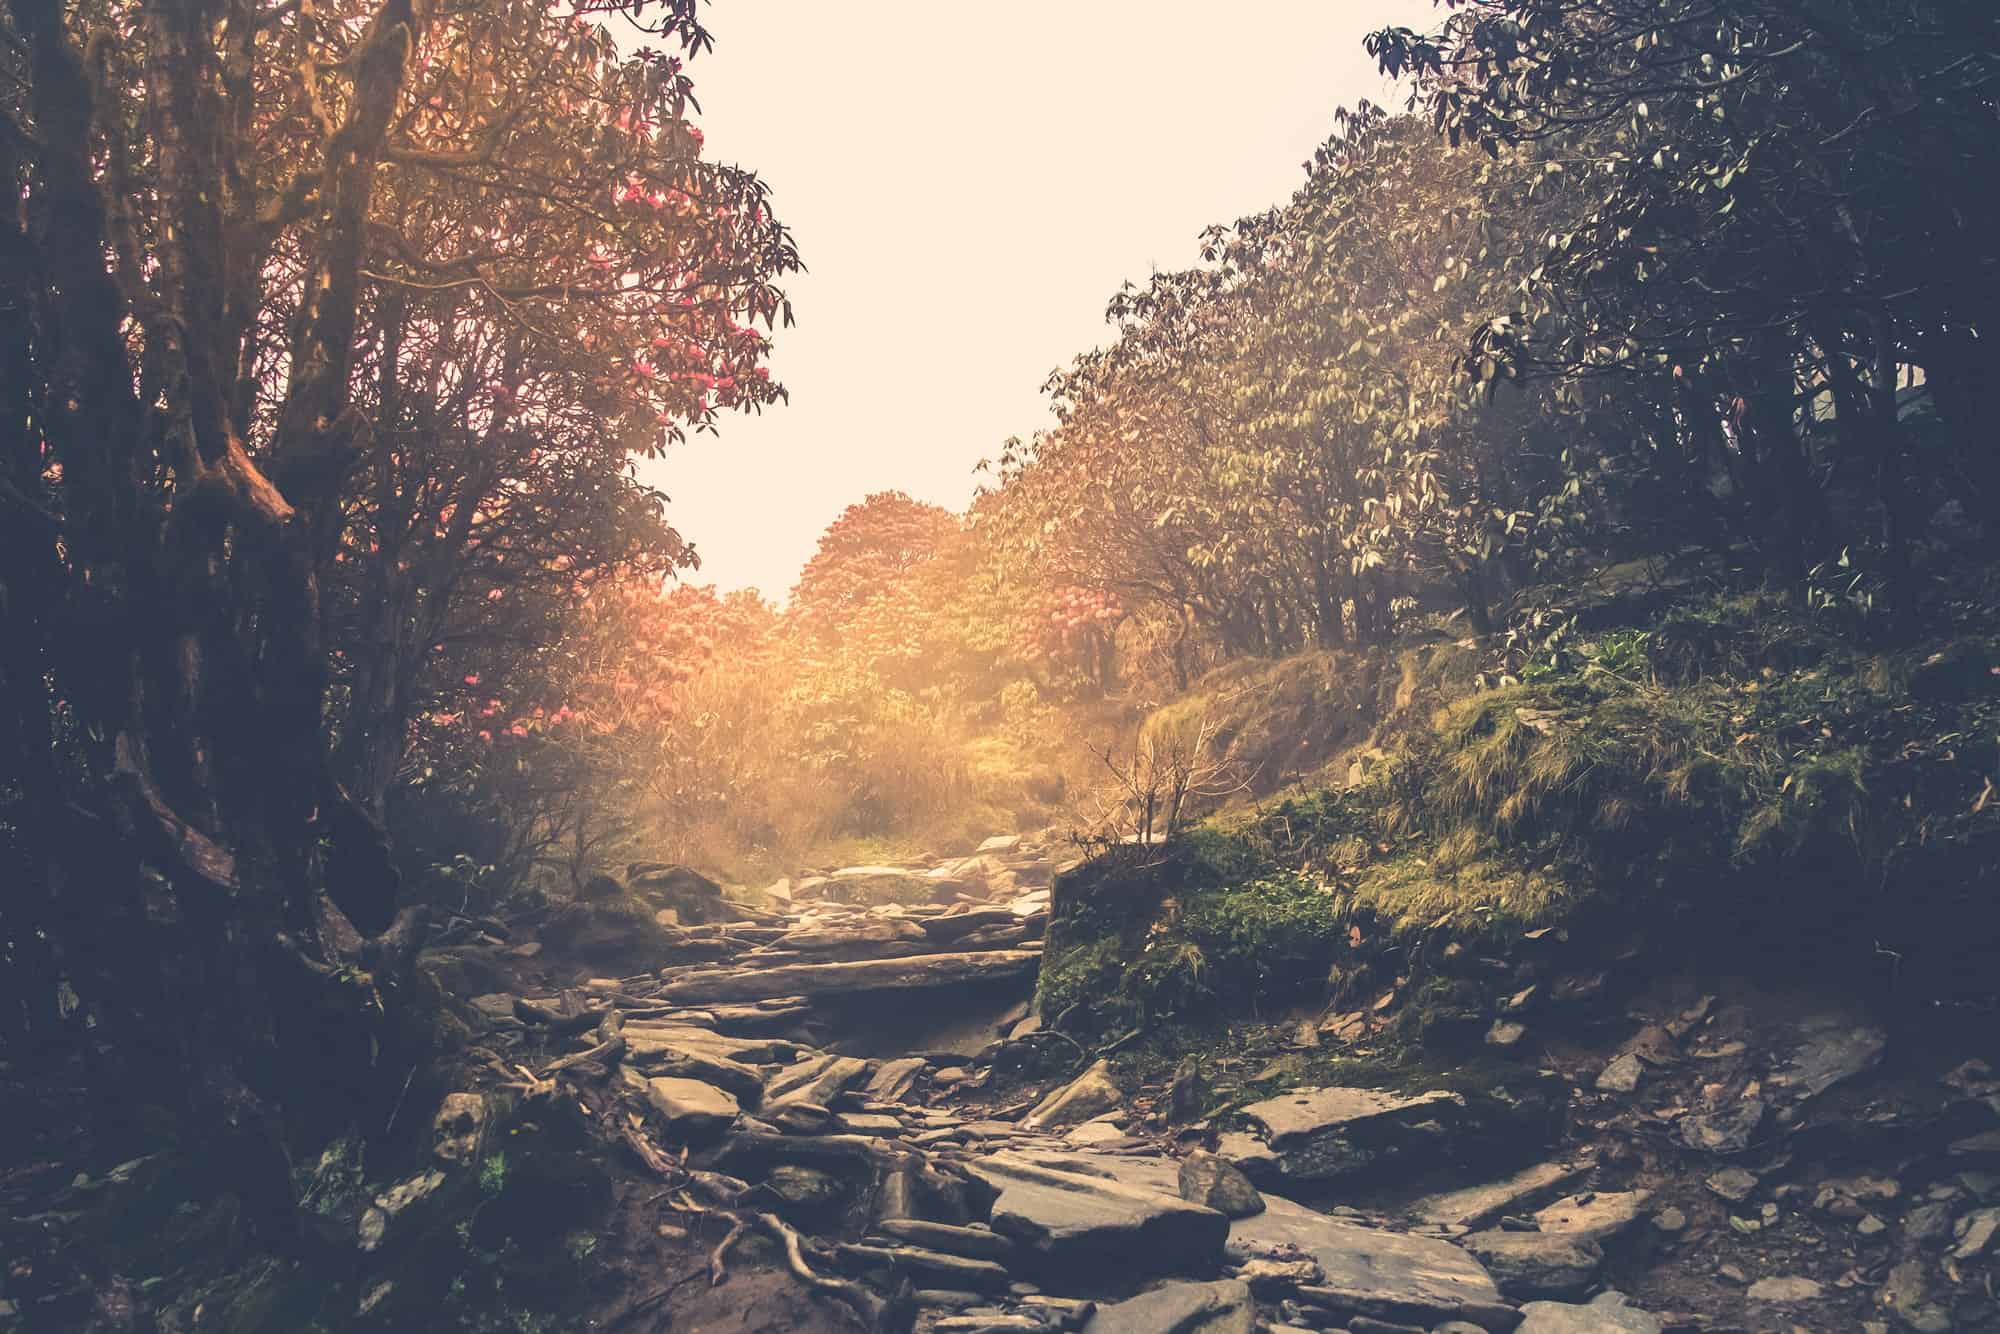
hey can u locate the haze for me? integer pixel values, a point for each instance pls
(968, 185)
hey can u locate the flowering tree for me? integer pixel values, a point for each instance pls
(329, 322)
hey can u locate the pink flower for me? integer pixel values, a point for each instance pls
(472, 678)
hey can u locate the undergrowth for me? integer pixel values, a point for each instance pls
(1725, 763)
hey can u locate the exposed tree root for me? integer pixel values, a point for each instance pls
(863, 1302)
(718, 1259)
(612, 1047)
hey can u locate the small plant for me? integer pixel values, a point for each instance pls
(581, 1246)
(1173, 773)
(1844, 596)
(1535, 647)
(493, 1173)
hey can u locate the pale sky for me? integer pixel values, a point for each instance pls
(968, 185)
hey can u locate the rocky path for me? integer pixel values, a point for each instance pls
(819, 1073)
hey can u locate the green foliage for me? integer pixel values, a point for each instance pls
(493, 1173)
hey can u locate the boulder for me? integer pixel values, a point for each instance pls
(691, 1107)
(598, 888)
(1183, 1308)
(1537, 1264)
(1084, 1097)
(692, 896)
(1215, 1182)
(1072, 1220)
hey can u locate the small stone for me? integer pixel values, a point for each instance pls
(949, 1075)
(1733, 1184)
(1689, 1019)
(1090, 1093)
(459, 1125)
(1790, 1289)
(1927, 1222)
(1622, 1075)
(1670, 1220)
(1871, 1226)
(1268, 1278)
(1190, 1095)
(1725, 1131)
(1975, 1232)
(1214, 1182)
(1506, 1034)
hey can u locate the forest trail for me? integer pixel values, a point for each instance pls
(835, 1093)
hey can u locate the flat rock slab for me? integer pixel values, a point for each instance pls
(1324, 1134)
(815, 1081)
(1180, 1308)
(707, 1042)
(1538, 1264)
(827, 979)
(1069, 1220)
(1388, 1275)
(1595, 1217)
(880, 885)
(1609, 1313)
(689, 1106)
(1828, 1048)
(1292, 1117)
(951, 926)
(1476, 1206)
(1783, 1290)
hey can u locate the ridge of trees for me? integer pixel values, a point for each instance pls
(1622, 274)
